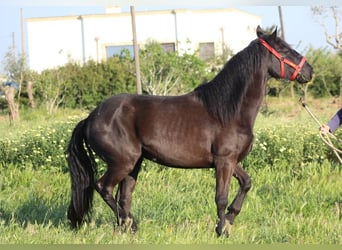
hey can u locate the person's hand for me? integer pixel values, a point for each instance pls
(324, 129)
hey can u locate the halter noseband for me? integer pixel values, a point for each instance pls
(283, 60)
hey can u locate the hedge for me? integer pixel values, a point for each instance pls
(45, 146)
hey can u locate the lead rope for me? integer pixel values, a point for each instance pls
(325, 137)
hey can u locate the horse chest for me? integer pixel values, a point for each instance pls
(232, 142)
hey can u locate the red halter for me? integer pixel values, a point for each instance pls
(284, 60)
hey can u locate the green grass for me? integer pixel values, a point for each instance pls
(177, 206)
(287, 204)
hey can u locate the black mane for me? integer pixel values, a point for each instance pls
(222, 96)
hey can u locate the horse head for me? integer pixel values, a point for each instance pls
(285, 63)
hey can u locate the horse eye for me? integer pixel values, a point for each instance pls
(285, 50)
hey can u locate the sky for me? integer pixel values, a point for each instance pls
(302, 28)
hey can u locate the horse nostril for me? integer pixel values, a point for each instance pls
(301, 78)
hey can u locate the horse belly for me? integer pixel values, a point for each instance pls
(179, 152)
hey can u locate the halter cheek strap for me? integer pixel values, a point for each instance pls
(298, 68)
(284, 61)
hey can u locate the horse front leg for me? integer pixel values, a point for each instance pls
(224, 172)
(245, 184)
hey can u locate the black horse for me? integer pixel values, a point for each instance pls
(210, 127)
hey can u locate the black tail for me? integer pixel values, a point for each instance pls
(82, 169)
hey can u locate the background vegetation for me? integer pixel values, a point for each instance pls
(295, 197)
(84, 86)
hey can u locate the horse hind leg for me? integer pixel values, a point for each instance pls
(124, 198)
(124, 174)
(106, 184)
(245, 184)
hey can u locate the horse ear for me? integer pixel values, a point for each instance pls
(274, 34)
(259, 31)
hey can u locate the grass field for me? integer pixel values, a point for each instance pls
(301, 206)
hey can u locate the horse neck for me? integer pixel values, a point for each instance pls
(238, 88)
(253, 98)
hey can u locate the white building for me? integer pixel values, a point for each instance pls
(53, 41)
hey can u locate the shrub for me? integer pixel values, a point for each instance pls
(39, 147)
(289, 145)
(44, 146)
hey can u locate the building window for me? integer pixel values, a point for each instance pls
(206, 51)
(168, 47)
(118, 49)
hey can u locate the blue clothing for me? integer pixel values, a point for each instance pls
(335, 121)
(11, 84)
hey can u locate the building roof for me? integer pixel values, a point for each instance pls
(140, 13)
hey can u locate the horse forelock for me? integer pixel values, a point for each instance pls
(223, 95)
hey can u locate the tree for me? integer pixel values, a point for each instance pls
(334, 40)
(158, 72)
(15, 66)
(328, 75)
(165, 73)
(85, 86)
(29, 88)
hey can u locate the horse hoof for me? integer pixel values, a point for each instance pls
(228, 228)
(225, 231)
(128, 226)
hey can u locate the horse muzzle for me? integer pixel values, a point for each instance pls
(305, 73)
